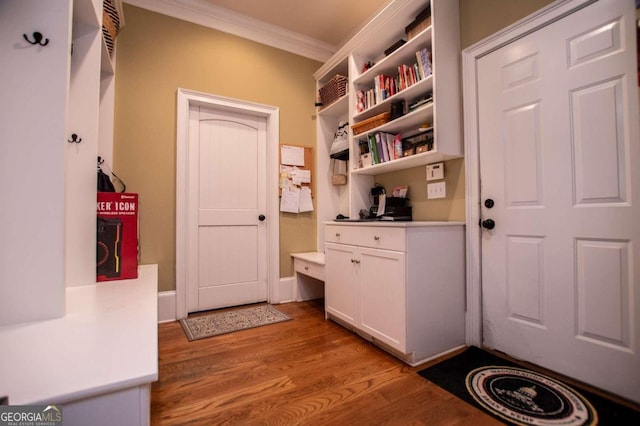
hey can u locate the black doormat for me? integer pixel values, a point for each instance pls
(517, 396)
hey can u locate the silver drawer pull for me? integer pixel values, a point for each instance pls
(376, 238)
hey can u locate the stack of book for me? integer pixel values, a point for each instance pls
(386, 86)
(382, 147)
(420, 101)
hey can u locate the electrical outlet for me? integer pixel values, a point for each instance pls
(436, 190)
(435, 171)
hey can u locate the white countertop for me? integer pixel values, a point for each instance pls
(107, 341)
(399, 224)
(313, 257)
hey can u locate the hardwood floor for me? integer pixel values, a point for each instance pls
(304, 371)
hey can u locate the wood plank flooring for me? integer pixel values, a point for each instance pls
(307, 371)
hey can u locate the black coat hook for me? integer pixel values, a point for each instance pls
(37, 39)
(74, 138)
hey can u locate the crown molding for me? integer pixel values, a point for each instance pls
(218, 18)
(383, 18)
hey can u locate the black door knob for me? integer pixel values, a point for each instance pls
(488, 224)
(261, 218)
(488, 203)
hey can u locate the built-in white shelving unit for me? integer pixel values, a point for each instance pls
(442, 115)
(59, 94)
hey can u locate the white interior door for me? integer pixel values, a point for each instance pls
(227, 229)
(560, 159)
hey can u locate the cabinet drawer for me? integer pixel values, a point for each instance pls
(309, 268)
(367, 236)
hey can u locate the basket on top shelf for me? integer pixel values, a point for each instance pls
(422, 21)
(111, 22)
(371, 123)
(333, 90)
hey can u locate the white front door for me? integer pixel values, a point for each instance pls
(227, 231)
(560, 160)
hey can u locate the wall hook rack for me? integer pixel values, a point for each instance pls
(74, 139)
(37, 39)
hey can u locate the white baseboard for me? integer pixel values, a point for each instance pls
(166, 306)
(290, 291)
(287, 289)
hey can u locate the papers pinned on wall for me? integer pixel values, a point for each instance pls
(292, 155)
(296, 200)
(306, 204)
(290, 200)
(295, 179)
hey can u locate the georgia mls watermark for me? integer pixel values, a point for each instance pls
(30, 415)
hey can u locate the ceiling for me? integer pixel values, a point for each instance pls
(312, 28)
(329, 21)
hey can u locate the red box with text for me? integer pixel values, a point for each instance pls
(117, 232)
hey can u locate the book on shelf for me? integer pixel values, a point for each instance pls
(389, 139)
(373, 149)
(424, 63)
(382, 146)
(365, 99)
(407, 76)
(420, 101)
(385, 86)
(397, 146)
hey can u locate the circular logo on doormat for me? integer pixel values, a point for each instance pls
(525, 397)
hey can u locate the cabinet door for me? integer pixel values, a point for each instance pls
(383, 296)
(341, 282)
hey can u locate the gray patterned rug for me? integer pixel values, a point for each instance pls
(200, 327)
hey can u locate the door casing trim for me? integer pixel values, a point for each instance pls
(470, 56)
(185, 99)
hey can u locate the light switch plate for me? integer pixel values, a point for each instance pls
(436, 190)
(435, 171)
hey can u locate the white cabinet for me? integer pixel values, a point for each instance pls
(382, 298)
(365, 289)
(342, 282)
(400, 285)
(441, 116)
(51, 91)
